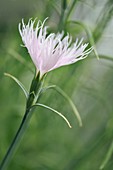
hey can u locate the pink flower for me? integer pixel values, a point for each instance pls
(49, 52)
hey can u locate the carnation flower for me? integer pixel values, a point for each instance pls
(50, 51)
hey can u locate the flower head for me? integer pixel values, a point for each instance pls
(49, 52)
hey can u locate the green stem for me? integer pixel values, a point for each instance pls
(61, 21)
(32, 98)
(104, 18)
(69, 10)
(16, 140)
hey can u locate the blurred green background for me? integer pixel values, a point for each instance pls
(48, 143)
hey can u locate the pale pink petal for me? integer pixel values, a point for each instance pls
(49, 52)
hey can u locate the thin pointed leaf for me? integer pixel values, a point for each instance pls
(59, 90)
(108, 156)
(70, 102)
(106, 57)
(89, 34)
(46, 88)
(19, 83)
(53, 110)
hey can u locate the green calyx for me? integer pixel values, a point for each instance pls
(34, 91)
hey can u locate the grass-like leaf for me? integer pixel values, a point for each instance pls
(53, 110)
(108, 156)
(19, 83)
(105, 57)
(60, 91)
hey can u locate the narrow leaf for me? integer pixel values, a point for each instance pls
(59, 90)
(46, 88)
(108, 156)
(70, 102)
(106, 57)
(60, 114)
(19, 83)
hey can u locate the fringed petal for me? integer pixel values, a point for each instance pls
(49, 52)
